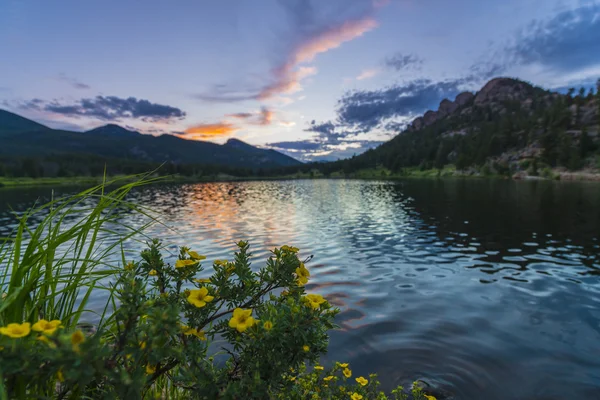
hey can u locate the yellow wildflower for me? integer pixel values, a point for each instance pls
(303, 274)
(129, 266)
(356, 396)
(314, 300)
(292, 378)
(221, 263)
(306, 348)
(328, 378)
(199, 297)
(16, 331)
(150, 369)
(59, 376)
(428, 397)
(347, 373)
(184, 263)
(153, 272)
(268, 325)
(362, 381)
(202, 280)
(46, 327)
(343, 365)
(142, 345)
(319, 368)
(76, 339)
(195, 256)
(241, 320)
(290, 249)
(193, 331)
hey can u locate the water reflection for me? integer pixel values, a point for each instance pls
(487, 287)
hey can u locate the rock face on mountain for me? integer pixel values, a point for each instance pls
(445, 109)
(494, 93)
(502, 89)
(463, 98)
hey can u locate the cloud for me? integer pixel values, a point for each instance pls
(367, 109)
(329, 142)
(561, 48)
(310, 38)
(287, 124)
(401, 62)
(73, 82)
(368, 74)
(262, 117)
(241, 115)
(266, 116)
(209, 131)
(308, 150)
(109, 108)
(569, 40)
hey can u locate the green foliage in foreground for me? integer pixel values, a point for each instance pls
(179, 331)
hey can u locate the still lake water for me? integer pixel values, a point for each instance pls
(488, 288)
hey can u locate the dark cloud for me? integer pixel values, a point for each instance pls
(324, 128)
(401, 62)
(568, 41)
(303, 145)
(242, 115)
(329, 142)
(73, 82)
(308, 150)
(111, 108)
(368, 109)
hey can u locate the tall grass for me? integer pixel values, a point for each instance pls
(51, 264)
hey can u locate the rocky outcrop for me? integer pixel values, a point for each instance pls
(502, 89)
(463, 98)
(430, 117)
(417, 123)
(447, 107)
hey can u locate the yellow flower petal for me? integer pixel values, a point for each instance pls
(76, 339)
(46, 327)
(184, 263)
(16, 331)
(347, 373)
(241, 320)
(195, 256)
(199, 297)
(362, 381)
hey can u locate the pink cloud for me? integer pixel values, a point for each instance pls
(288, 76)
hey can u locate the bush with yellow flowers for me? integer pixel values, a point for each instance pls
(184, 331)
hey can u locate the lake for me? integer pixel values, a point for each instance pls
(487, 288)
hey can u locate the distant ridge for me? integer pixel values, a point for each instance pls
(21, 137)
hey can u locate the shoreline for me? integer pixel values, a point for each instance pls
(582, 176)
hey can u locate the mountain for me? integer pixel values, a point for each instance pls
(12, 123)
(20, 137)
(507, 127)
(113, 131)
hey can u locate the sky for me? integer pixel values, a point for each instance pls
(318, 80)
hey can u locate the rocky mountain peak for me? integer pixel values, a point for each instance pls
(502, 89)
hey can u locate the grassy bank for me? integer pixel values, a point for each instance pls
(448, 172)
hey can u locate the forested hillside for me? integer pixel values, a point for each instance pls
(506, 127)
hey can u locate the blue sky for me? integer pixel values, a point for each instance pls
(317, 79)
